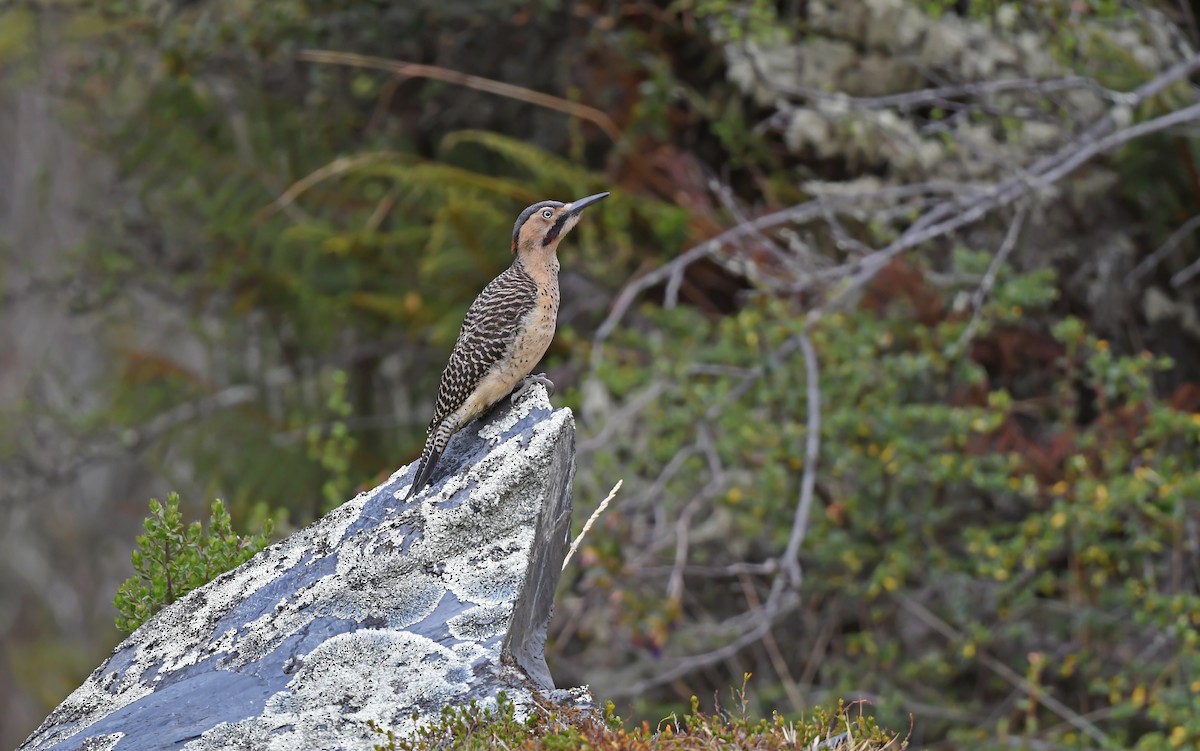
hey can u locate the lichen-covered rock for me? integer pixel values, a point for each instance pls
(379, 611)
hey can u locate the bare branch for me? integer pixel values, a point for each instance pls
(1177, 237)
(989, 278)
(812, 445)
(1182, 276)
(798, 214)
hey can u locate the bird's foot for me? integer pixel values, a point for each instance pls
(527, 382)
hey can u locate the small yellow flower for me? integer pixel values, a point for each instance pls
(1102, 345)
(1059, 488)
(1059, 520)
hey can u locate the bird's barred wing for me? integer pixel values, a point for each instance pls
(488, 329)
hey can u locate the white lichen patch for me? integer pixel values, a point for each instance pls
(536, 396)
(370, 673)
(483, 622)
(100, 695)
(105, 742)
(351, 679)
(492, 573)
(471, 652)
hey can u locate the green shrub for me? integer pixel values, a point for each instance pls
(172, 559)
(1001, 536)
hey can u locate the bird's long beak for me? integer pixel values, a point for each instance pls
(575, 207)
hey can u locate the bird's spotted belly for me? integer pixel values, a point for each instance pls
(531, 344)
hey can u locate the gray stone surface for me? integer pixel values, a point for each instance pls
(380, 610)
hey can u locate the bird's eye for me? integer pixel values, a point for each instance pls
(547, 213)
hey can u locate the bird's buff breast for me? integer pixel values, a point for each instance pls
(523, 355)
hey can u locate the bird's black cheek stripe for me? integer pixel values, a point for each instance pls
(554, 230)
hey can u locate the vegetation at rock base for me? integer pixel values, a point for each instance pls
(547, 727)
(888, 327)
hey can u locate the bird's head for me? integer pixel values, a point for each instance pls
(541, 226)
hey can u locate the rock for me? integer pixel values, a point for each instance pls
(379, 611)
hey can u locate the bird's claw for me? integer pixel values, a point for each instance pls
(528, 381)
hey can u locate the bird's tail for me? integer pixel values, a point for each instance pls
(429, 460)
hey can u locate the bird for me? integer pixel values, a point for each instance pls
(506, 330)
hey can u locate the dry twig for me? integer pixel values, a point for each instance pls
(478, 83)
(588, 524)
(989, 278)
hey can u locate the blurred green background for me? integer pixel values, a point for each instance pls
(237, 240)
